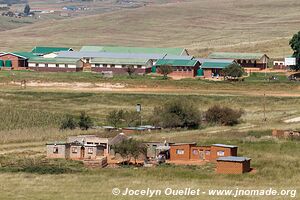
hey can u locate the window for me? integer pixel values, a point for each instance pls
(46, 65)
(55, 149)
(179, 151)
(112, 66)
(97, 65)
(104, 65)
(123, 66)
(57, 65)
(220, 153)
(36, 64)
(90, 150)
(195, 152)
(74, 149)
(90, 143)
(139, 66)
(207, 152)
(66, 66)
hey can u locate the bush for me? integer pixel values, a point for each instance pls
(177, 113)
(223, 115)
(85, 122)
(68, 122)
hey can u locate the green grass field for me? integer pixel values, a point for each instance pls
(30, 117)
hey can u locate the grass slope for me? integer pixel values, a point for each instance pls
(202, 26)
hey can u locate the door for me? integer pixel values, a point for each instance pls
(82, 151)
(202, 155)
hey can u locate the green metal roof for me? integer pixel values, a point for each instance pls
(171, 62)
(215, 65)
(53, 60)
(119, 61)
(27, 55)
(229, 55)
(46, 50)
(118, 49)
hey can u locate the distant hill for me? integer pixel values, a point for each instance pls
(200, 25)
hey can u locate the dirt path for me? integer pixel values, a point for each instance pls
(123, 88)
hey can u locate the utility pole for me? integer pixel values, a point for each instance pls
(139, 110)
(264, 99)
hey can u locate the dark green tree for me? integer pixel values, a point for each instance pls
(85, 121)
(223, 115)
(233, 70)
(68, 122)
(165, 70)
(130, 70)
(295, 45)
(115, 118)
(27, 9)
(130, 149)
(177, 113)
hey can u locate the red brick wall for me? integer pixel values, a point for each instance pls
(16, 61)
(227, 152)
(186, 148)
(207, 73)
(225, 167)
(197, 150)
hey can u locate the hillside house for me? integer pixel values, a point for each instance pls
(83, 147)
(44, 51)
(55, 64)
(181, 68)
(136, 50)
(15, 60)
(191, 152)
(250, 61)
(119, 65)
(233, 165)
(211, 68)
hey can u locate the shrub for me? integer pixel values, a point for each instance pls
(177, 113)
(233, 70)
(130, 149)
(223, 115)
(68, 123)
(165, 70)
(85, 121)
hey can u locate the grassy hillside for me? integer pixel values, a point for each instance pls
(200, 25)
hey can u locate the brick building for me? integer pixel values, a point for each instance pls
(181, 68)
(233, 165)
(192, 152)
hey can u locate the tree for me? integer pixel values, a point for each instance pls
(131, 118)
(27, 9)
(177, 113)
(165, 70)
(295, 45)
(223, 115)
(68, 123)
(115, 117)
(85, 122)
(233, 70)
(130, 70)
(130, 149)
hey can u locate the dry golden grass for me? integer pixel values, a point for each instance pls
(201, 26)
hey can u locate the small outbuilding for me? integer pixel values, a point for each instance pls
(233, 165)
(181, 68)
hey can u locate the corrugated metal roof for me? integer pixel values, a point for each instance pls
(119, 49)
(53, 60)
(176, 62)
(25, 54)
(202, 60)
(233, 159)
(91, 54)
(119, 61)
(179, 144)
(231, 55)
(47, 50)
(215, 65)
(224, 145)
